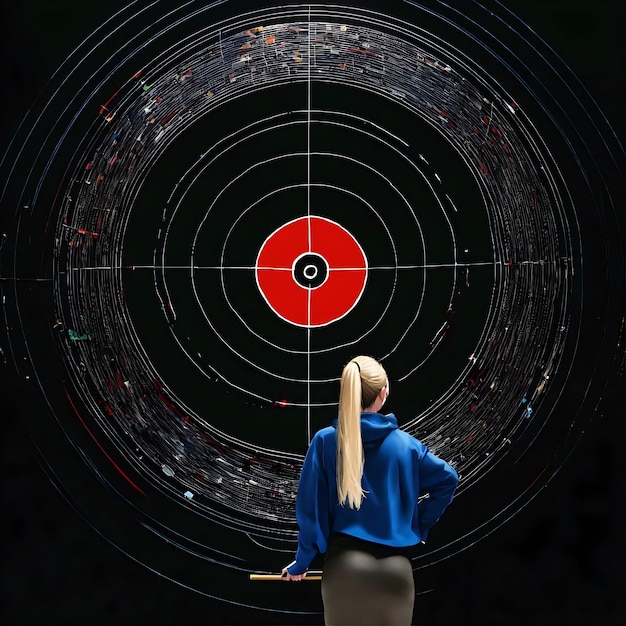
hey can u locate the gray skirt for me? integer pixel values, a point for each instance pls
(366, 583)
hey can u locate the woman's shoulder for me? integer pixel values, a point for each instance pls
(402, 438)
(329, 432)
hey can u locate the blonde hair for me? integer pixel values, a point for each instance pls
(362, 379)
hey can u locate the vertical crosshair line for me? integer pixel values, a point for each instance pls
(308, 129)
(308, 212)
(308, 376)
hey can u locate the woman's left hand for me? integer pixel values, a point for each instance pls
(287, 576)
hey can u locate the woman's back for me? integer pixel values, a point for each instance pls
(397, 470)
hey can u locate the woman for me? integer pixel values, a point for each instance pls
(358, 503)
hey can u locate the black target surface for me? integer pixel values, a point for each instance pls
(451, 172)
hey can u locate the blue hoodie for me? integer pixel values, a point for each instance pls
(398, 470)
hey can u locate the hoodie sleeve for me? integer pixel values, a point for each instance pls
(439, 480)
(312, 508)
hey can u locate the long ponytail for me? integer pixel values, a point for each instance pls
(361, 381)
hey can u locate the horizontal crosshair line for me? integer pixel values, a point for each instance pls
(289, 269)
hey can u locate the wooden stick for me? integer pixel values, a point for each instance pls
(312, 575)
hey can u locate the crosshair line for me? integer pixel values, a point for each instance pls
(289, 269)
(308, 191)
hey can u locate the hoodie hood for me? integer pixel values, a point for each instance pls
(375, 426)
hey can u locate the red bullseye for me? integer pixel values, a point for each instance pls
(311, 271)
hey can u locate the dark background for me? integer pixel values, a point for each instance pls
(559, 561)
